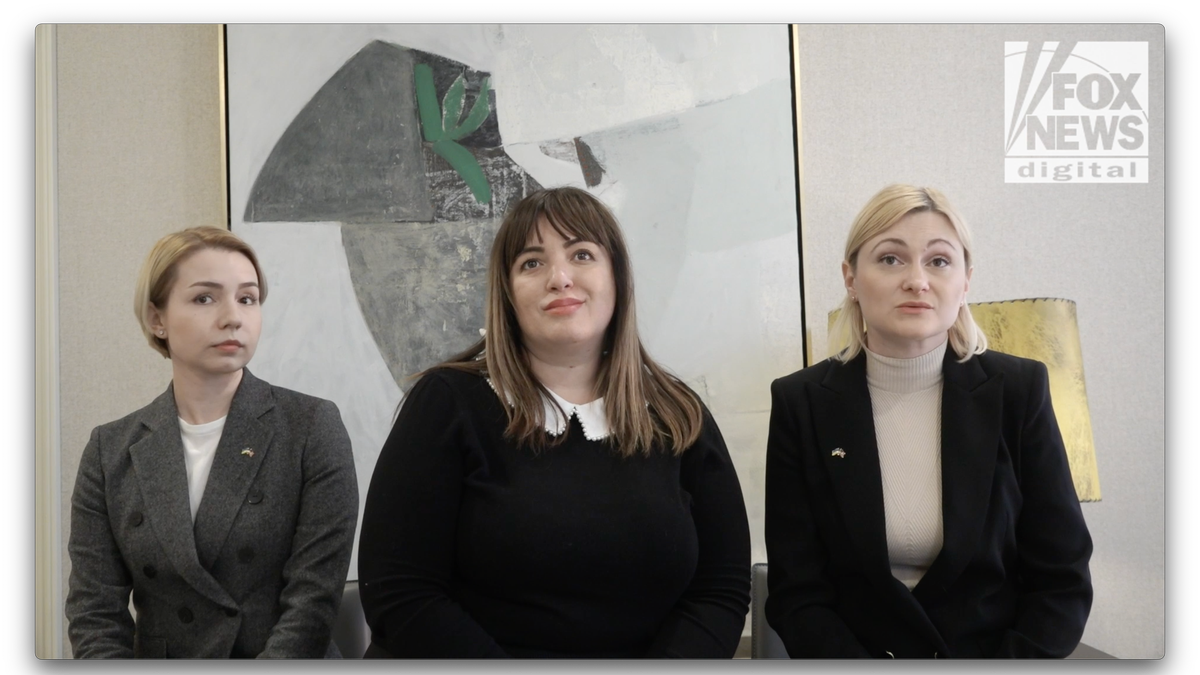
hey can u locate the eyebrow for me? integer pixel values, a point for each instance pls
(894, 240)
(541, 249)
(213, 284)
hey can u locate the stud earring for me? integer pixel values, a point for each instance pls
(160, 332)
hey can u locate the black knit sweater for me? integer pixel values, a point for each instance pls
(473, 546)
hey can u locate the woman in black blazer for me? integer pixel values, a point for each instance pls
(227, 506)
(918, 499)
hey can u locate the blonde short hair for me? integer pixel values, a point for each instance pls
(884, 210)
(159, 271)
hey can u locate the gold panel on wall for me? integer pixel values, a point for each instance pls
(1046, 329)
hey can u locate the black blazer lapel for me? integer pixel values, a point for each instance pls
(158, 462)
(244, 443)
(845, 430)
(972, 405)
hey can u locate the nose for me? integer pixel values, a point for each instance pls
(916, 281)
(560, 277)
(231, 315)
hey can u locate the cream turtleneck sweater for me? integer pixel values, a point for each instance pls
(906, 402)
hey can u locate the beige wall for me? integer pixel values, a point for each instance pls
(139, 154)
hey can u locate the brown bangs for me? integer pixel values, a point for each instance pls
(571, 215)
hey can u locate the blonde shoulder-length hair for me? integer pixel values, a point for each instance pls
(646, 406)
(161, 267)
(887, 207)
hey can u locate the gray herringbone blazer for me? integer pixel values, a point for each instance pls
(261, 572)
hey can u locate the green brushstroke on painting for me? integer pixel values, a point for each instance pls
(443, 128)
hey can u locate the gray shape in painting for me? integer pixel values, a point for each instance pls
(421, 288)
(592, 170)
(416, 241)
(452, 198)
(353, 153)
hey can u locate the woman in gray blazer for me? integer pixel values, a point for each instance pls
(227, 506)
(919, 503)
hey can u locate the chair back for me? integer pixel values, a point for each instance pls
(350, 631)
(764, 641)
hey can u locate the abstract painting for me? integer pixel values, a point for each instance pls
(371, 165)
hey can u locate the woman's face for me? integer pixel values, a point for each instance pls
(212, 318)
(563, 294)
(910, 281)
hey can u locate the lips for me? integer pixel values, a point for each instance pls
(914, 308)
(229, 346)
(562, 305)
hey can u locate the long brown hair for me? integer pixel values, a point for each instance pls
(645, 405)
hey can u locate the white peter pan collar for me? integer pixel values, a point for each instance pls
(590, 415)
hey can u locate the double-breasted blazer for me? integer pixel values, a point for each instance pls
(1012, 577)
(262, 570)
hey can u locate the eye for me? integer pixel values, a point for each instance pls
(528, 264)
(940, 261)
(889, 259)
(248, 300)
(584, 254)
(205, 299)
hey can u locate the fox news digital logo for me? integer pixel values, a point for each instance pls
(1075, 112)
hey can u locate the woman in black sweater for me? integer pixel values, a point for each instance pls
(553, 492)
